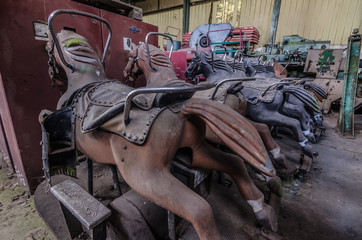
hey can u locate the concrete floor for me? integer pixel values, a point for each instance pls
(326, 204)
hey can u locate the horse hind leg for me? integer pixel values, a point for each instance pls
(269, 143)
(146, 170)
(299, 113)
(278, 119)
(206, 156)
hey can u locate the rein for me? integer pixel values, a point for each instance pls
(54, 67)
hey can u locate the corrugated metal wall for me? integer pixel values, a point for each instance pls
(320, 19)
(313, 19)
(162, 20)
(199, 14)
(257, 13)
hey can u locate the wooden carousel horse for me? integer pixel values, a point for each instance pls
(143, 141)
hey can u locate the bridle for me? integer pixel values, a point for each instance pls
(190, 70)
(129, 72)
(54, 67)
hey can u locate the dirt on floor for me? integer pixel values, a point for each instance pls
(18, 217)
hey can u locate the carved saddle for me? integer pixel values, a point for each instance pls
(259, 91)
(101, 105)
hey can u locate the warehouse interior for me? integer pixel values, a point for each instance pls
(184, 119)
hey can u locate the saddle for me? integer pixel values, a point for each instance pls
(101, 105)
(257, 91)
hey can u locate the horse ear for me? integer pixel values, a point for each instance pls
(133, 46)
(196, 54)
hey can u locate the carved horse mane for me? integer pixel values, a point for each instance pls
(87, 65)
(158, 57)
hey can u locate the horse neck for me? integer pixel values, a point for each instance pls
(213, 76)
(159, 78)
(78, 79)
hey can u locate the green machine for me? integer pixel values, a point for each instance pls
(292, 50)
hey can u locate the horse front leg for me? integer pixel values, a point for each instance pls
(206, 156)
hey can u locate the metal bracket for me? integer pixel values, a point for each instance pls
(274, 84)
(229, 80)
(68, 11)
(237, 53)
(154, 69)
(134, 93)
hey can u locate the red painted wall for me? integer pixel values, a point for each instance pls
(23, 65)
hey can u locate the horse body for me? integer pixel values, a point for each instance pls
(145, 167)
(274, 112)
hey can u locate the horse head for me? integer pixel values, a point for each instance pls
(213, 67)
(138, 63)
(194, 67)
(81, 66)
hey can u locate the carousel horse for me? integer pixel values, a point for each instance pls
(235, 101)
(167, 73)
(304, 101)
(308, 111)
(143, 142)
(266, 107)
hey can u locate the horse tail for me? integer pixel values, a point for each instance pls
(234, 130)
(304, 96)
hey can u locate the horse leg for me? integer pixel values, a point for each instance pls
(146, 169)
(277, 119)
(269, 143)
(299, 113)
(206, 156)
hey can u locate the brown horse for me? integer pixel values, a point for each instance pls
(144, 162)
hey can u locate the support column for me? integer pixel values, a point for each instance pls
(346, 112)
(274, 21)
(186, 17)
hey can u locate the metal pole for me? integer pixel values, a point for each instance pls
(274, 21)
(346, 112)
(186, 17)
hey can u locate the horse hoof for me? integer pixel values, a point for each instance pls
(267, 218)
(281, 161)
(308, 150)
(275, 185)
(311, 138)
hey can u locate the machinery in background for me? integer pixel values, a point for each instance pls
(293, 49)
(210, 35)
